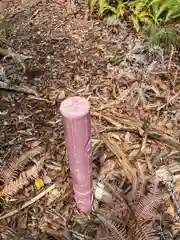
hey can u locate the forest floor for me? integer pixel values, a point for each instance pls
(56, 50)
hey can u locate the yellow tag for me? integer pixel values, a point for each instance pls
(39, 183)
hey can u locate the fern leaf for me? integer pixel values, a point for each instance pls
(137, 191)
(120, 211)
(15, 185)
(148, 205)
(141, 230)
(117, 231)
(9, 171)
(116, 192)
(102, 231)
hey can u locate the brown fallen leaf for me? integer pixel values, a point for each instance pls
(170, 210)
(122, 159)
(107, 168)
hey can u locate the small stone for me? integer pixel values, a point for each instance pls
(148, 150)
(169, 125)
(61, 95)
(47, 179)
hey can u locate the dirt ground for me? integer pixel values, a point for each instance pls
(57, 50)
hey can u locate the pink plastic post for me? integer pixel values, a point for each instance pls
(77, 127)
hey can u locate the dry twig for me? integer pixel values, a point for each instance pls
(27, 204)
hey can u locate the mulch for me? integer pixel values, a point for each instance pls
(58, 50)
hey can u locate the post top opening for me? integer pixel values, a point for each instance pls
(75, 107)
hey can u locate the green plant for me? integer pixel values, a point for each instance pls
(114, 10)
(155, 17)
(140, 13)
(164, 36)
(119, 12)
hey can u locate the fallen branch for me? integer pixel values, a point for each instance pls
(25, 90)
(20, 58)
(120, 128)
(152, 134)
(4, 52)
(30, 202)
(169, 101)
(164, 138)
(123, 161)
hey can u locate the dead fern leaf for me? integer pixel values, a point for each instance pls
(148, 185)
(117, 192)
(9, 171)
(147, 208)
(141, 230)
(121, 208)
(119, 211)
(23, 180)
(117, 231)
(102, 231)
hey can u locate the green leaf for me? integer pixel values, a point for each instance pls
(92, 4)
(102, 4)
(120, 9)
(112, 9)
(111, 19)
(172, 15)
(143, 17)
(154, 2)
(139, 6)
(135, 22)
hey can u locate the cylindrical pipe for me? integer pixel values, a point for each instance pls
(77, 127)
